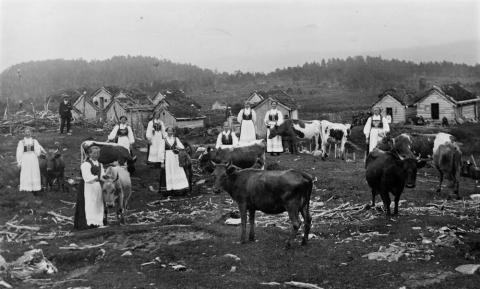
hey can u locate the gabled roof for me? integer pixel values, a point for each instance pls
(428, 92)
(457, 92)
(390, 92)
(454, 93)
(184, 112)
(113, 90)
(278, 95)
(180, 106)
(72, 95)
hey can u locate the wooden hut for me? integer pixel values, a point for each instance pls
(391, 104)
(176, 110)
(451, 101)
(260, 102)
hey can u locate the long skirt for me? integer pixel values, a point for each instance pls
(94, 209)
(79, 221)
(124, 142)
(175, 176)
(30, 179)
(274, 145)
(376, 136)
(156, 151)
(247, 132)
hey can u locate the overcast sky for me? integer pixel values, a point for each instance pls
(239, 35)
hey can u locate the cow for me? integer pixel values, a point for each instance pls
(185, 162)
(272, 192)
(469, 170)
(110, 153)
(447, 160)
(388, 172)
(242, 156)
(336, 133)
(116, 190)
(294, 129)
(52, 168)
(414, 145)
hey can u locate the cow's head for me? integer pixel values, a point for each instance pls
(349, 129)
(205, 160)
(285, 129)
(109, 191)
(273, 132)
(465, 170)
(221, 172)
(410, 166)
(52, 157)
(402, 145)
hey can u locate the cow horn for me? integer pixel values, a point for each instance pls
(56, 151)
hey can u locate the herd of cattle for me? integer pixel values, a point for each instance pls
(240, 171)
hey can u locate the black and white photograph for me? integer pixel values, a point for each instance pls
(265, 144)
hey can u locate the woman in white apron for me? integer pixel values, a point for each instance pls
(156, 141)
(273, 117)
(175, 177)
(247, 117)
(122, 134)
(227, 138)
(375, 129)
(28, 151)
(89, 211)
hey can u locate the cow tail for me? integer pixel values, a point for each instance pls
(309, 189)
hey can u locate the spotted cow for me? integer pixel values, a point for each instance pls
(336, 133)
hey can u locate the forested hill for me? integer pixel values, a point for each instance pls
(338, 79)
(36, 79)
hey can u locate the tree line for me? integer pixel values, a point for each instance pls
(36, 80)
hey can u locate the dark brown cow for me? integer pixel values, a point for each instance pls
(242, 157)
(52, 168)
(112, 153)
(447, 160)
(387, 173)
(272, 192)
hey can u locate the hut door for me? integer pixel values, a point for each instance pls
(435, 111)
(389, 111)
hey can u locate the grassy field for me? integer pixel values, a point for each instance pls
(191, 231)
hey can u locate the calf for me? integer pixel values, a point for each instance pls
(272, 192)
(243, 157)
(116, 188)
(293, 129)
(52, 168)
(336, 133)
(387, 172)
(447, 160)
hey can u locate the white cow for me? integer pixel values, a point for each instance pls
(336, 133)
